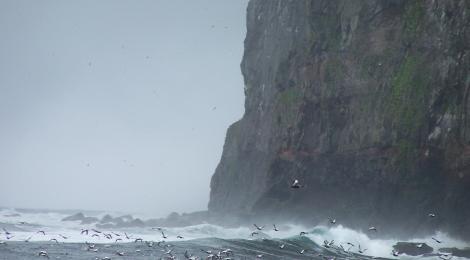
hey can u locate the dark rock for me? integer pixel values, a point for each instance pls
(107, 219)
(76, 217)
(89, 220)
(365, 102)
(14, 215)
(84, 220)
(456, 251)
(413, 249)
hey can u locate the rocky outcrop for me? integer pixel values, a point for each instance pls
(413, 249)
(366, 103)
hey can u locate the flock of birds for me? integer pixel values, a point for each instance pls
(222, 254)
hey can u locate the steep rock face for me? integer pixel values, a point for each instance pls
(366, 103)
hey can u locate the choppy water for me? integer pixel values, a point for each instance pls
(206, 237)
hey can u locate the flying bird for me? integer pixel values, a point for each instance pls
(189, 256)
(41, 231)
(332, 220)
(275, 228)
(258, 227)
(437, 241)
(43, 253)
(328, 244)
(373, 229)
(296, 184)
(360, 250)
(6, 232)
(164, 236)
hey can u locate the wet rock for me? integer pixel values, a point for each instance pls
(413, 249)
(76, 217)
(465, 252)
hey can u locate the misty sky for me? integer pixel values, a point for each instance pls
(109, 105)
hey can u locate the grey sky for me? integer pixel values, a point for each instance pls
(109, 104)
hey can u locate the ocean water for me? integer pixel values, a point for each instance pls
(195, 239)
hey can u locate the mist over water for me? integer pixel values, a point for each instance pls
(116, 105)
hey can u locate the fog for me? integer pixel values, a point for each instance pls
(116, 105)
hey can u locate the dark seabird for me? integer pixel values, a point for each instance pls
(164, 236)
(275, 228)
(258, 227)
(84, 231)
(180, 237)
(41, 231)
(95, 235)
(295, 184)
(55, 240)
(303, 233)
(6, 232)
(360, 250)
(206, 251)
(117, 239)
(63, 237)
(254, 233)
(328, 244)
(438, 241)
(43, 253)
(138, 240)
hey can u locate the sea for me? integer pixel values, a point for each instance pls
(19, 239)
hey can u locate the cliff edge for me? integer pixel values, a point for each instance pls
(366, 103)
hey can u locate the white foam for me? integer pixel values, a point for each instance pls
(51, 223)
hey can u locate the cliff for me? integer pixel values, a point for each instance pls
(366, 103)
